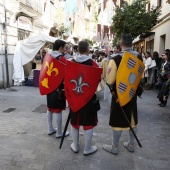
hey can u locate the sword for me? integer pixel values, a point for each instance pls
(65, 129)
(113, 94)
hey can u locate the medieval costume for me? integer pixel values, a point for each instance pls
(104, 64)
(56, 103)
(117, 121)
(86, 116)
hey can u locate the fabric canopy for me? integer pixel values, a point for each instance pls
(25, 51)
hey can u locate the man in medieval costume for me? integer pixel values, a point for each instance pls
(117, 121)
(86, 116)
(56, 101)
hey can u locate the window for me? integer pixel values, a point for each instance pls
(159, 3)
(121, 2)
(149, 7)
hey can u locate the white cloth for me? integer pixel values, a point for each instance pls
(144, 60)
(147, 64)
(25, 51)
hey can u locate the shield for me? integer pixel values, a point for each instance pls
(51, 74)
(80, 84)
(128, 77)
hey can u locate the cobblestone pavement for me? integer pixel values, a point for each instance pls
(25, 145)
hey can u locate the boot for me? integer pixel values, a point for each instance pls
(88, 149)
(59, 132)
(130, 144)
(75, 137)
(51, 130)
(163, 104)
(115, 141)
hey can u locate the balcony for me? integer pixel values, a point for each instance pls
(32, 8)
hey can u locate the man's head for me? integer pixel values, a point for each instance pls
(59, 45)
(126, 41)
(83, 47)
(117, 49)
(68, 49)
(75, 48)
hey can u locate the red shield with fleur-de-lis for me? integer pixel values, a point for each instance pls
(81, 82)
(51, 74)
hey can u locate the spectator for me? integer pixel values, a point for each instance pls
(163, 78)
(75, 49)
(117, 50)
(149, 71)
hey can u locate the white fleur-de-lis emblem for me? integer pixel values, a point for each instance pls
(79, 84)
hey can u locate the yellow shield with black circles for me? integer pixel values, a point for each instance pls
(128, 77)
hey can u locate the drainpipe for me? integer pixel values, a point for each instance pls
(5, 44)
(3, 74)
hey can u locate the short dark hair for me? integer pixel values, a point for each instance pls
(126, 40)
(168, 56)
(83, 46)
(75, 47)
(167, 50)
(118, 46)
(155, 55)
(147, 52)
(58, 43)
(94, 56)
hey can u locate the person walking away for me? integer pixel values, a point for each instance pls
(117, 120)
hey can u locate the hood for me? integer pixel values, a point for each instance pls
(81, 58)
(55, 54)
(114, 55)
(105, 59)
(130, 51)
(68, 56)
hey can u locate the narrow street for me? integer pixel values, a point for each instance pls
(25, 145)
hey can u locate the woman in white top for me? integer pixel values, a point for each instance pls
(149, 71)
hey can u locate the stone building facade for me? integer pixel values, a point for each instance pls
(20, 19)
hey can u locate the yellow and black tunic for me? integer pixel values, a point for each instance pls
(117, 119)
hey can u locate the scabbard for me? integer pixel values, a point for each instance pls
(65, 130)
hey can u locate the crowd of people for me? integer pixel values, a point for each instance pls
(157, 73)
